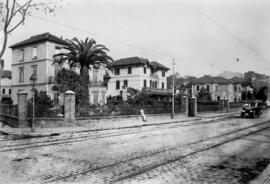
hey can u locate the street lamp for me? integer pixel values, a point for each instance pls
(33, 80)
(172, 114)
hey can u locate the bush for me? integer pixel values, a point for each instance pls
(43, 104)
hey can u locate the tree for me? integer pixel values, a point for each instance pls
(85, 55)
(204, 95)
(68, 80)
(247, 95)
(42, 104)
(14, 12)
(262, 94)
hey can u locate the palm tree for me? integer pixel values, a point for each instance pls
(85, 55)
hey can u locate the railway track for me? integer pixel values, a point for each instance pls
(88, 135)
(129, 168)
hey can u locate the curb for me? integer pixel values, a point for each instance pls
(29, 134)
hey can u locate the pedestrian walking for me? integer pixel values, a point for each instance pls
(143, 115)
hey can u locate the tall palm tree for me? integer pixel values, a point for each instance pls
(85, 55)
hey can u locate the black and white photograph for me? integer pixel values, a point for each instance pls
(134, 92)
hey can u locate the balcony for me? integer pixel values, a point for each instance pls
(157, 91)
(97, 84)
(154, 76)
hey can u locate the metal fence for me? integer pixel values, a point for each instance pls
(7, 109)
(210, 107)
(125, 109)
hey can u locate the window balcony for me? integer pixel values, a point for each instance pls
(156, 90)
(154, 76)
(97, 84)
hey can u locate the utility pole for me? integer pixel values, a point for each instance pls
(172, 115)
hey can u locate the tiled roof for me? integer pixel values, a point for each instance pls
(157, 65)
(237, 80)
(39, 38)
(129, 61)
(6, 74)
(138, 61)
(207, 79)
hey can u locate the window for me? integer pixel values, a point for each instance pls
(56, 69)
(35, 52)
(34, 70)
(155, 84)
(144, 70)
(117, 71)
(125, 83)
(150, 83)
(162, 85)
(235, 88)
(144, 83)
(3, 91)
(216, 88)
(117, 84)
(9, 91)
(21, 54)
(129, 70)
(152, 71)
(57, 50)
(207, 87)
(21, 74)
(198, 88)
(163, 73)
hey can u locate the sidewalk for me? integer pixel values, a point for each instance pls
(106, 125)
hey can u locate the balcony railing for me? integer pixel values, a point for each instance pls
(148, 89)
(153, 75)
(97, 84)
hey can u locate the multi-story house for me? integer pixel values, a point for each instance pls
(218, 87)
(97, 88)
(6, 86)
(138, 73)
(34, 56)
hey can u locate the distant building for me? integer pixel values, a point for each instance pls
(219, 88)
(34, 56)
(138, 73)
(6, 86)
(97, 89)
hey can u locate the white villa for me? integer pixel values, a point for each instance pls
(138, 73)
(219, 88)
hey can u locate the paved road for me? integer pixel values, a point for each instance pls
(211, 150)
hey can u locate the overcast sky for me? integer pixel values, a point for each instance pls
(204, 36)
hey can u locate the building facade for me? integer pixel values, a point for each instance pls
(34, 56)
(6, 86)
(218, 87)
(137, 73)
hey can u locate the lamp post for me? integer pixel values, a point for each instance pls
(172, 114)
(33, 80)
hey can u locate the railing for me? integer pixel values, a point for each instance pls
(97, 84)
(125, 109)
(148, 89)
(154, 75)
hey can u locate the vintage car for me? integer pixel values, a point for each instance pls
(251, 109)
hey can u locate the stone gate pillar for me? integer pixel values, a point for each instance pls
(192, 107)
(226, 102)
(22, 109)
(184, 105)
(69, 106)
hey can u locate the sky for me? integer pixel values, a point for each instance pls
(203, 37)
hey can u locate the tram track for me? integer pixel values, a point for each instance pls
(130, 168)
(79, 137)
